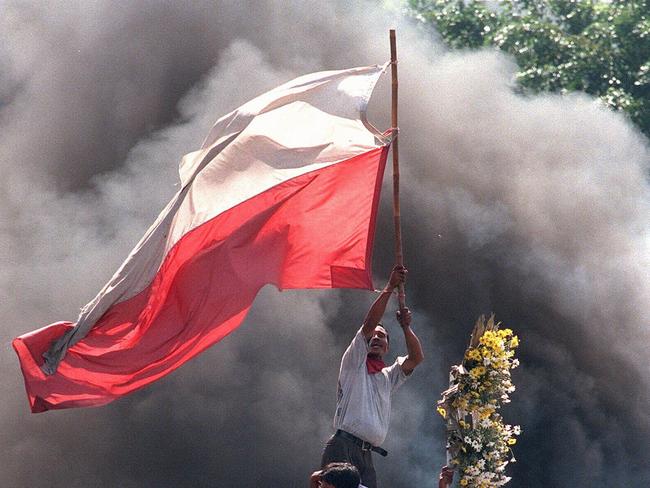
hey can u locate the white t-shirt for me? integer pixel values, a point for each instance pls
(363, 400)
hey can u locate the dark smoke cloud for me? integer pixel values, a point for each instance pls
(534, 208)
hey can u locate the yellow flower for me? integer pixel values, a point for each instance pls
(442, 412)
(514, 342)
(512, 442)
(477, 371)
(473, 354)
(463, 482)
(487, 338)
(485, 413)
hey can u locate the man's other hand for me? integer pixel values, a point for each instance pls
(404, 317)
(397, 276)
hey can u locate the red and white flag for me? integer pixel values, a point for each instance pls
(284, 190)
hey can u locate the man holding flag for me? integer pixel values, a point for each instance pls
(366, 384)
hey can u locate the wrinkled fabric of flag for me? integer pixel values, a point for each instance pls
(283, 191)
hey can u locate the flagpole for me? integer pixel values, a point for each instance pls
(399, 258)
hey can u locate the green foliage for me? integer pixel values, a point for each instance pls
(602, 48)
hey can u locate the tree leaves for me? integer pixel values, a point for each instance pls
(601, 48)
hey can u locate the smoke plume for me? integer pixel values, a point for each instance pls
(535, 208)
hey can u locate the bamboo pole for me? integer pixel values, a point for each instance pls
(399, 258)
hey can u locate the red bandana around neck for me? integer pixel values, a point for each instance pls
(374, 365)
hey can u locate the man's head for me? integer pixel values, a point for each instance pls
(378, 342)
(339, 475)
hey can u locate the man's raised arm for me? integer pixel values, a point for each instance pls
(376, 312)
(413, 346)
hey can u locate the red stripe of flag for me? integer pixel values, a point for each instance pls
(312, 231)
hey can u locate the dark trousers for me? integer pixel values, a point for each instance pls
(339, 450)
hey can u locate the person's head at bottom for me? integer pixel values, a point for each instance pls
(338, 475)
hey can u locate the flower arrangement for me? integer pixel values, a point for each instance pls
(478, 441)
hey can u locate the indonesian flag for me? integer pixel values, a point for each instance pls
(283, 191)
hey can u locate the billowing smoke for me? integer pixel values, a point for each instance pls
(535, 208)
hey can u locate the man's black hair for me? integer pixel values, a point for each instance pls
(341, 475)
